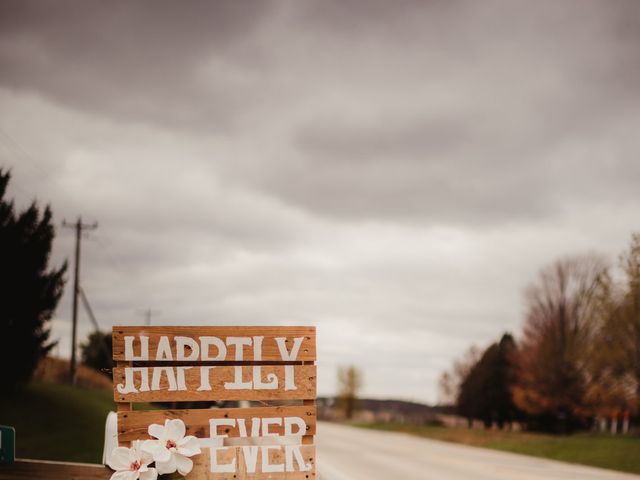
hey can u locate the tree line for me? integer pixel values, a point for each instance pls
(577, 358)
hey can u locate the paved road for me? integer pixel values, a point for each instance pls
(346, 453)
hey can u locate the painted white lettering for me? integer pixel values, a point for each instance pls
(258, 384)
(266, 422)
(270, 467)
(239, 343)
(214, 423)
(282, 347)
(257, 348)
(289, 378)
(206, 342)
(182, 384)
(128, 348)
(225, 467)
(164, 349)
(187, 349)
(237, 383)
(205, 386)
(255, 427)
(290, 422)
(129, 384)
(157, 375)
(291, 451)
(250, 458)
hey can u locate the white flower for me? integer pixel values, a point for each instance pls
(131, 463)
(171, 450)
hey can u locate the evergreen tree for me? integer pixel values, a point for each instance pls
(485, 392)
(97, 352)
(29, 290)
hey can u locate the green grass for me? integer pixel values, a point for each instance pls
(58, 422)
(604, 451)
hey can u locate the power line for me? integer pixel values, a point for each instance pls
(88, 308)
(103, 339)
(79, 227)
(15, 151)
(21, 151)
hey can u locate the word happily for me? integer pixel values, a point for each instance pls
(207, 379)
(205, 348)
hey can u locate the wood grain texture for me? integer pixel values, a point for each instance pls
(123, 406)
(304, 377)
(133, 425)
(270, 351)
(41, 469)
(201, 467)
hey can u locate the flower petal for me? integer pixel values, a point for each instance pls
(144, 451)
(184, 464)
(175, 429)
(145, 457)
(167, 467)
(136, 450)
(119, 459)
(125, 475)
(156, 431)
(189, 446)
(151, 474)
(157, 450)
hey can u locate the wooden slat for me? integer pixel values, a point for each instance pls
(123, 406)
(270, 351)
(308, 439)
(41, 469)
(304, 380)
(133, 425)
(202, 471)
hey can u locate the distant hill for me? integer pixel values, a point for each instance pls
(56, 370)
(384, 410)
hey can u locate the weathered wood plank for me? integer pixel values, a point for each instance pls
(222, 348)
(134, 425)
(41, 469)
(151, 384)
(124, 406)
(238, 456)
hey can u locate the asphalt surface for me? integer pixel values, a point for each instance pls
(347, 453)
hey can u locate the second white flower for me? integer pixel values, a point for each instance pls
(172, 449)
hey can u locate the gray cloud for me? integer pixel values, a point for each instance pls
(141, 61)
(393, 172)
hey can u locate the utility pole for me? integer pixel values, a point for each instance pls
(147, 315)
(79, 227)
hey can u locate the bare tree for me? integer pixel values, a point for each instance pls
(450, 381)
(447, 389)
(628, 330)
(615, 355)
(559, 327)
(349, 385)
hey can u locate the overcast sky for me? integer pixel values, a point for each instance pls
(394, 172)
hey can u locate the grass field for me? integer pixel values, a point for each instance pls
(605, 451)
(58, 422)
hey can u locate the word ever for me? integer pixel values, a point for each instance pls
(259, 428)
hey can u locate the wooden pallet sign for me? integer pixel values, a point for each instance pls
(273, 367)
